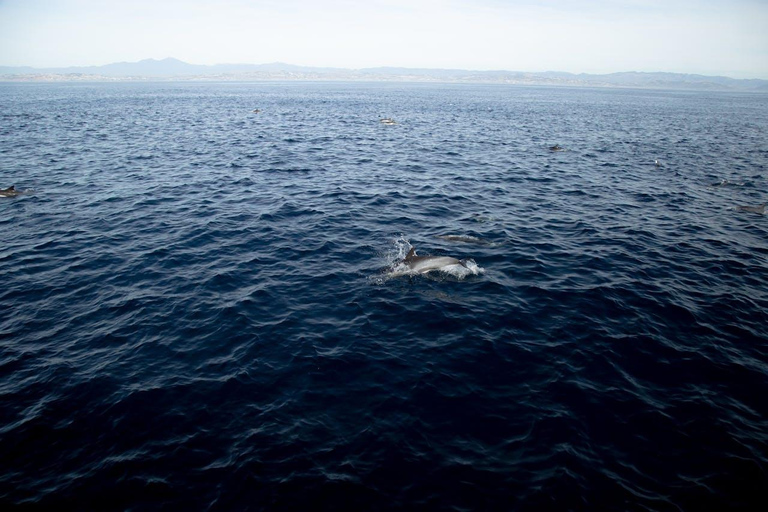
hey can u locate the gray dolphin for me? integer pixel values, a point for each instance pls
(754, 209)
(9, 192)
(424, 264)
(727, 183)
(469, 239)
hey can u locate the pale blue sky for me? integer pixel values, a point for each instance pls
(713, 37)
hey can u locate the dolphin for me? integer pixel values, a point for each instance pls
(556, 147)
(464, 238)
(388, 120)
(753, 209)
(9, 192)
(727, 183)
(424, 264)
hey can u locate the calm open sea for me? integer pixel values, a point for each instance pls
(198, 310)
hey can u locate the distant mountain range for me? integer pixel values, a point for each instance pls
(174, 69)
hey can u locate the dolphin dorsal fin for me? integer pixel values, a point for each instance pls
(411, 254)
(11, 188)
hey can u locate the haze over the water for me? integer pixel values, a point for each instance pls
(711, 37)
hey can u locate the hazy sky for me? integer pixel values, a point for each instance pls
(720, 37)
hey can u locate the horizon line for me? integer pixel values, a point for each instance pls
(420, 68)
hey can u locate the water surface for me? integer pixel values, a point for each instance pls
(198, 310)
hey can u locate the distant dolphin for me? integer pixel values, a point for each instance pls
(726, 183)
(463, 238)
(9, 192)
(481, 218)
(388, 120)
(753, 209)
(424, 264)
(556, 147)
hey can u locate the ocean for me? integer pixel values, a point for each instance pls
(205, 307)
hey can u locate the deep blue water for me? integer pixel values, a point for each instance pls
(197, 310)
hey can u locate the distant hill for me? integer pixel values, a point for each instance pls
(174, 69)
(165, 68)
